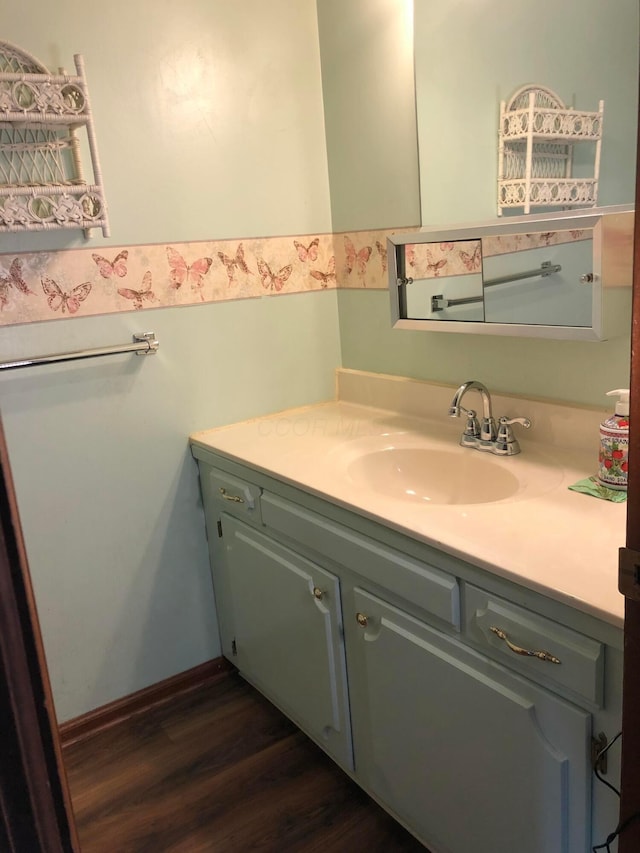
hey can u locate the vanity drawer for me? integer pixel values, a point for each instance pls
(238, 497)
(580, 672)
(428, 587)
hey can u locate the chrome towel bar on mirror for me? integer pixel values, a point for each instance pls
(144, 343)
(439, 303)
(546, 269)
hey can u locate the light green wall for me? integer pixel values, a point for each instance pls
(210, 125)
(107, 489)
(475, 54)
(369, 102)
(208, 115)
(580, 371)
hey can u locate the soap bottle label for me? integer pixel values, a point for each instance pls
(614, 453)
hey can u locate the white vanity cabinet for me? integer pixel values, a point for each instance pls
(280, 616)
(472, 746)
(287, 633)
(467, 755)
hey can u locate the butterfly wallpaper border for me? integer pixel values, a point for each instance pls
(41, 286)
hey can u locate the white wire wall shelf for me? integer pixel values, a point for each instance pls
(536, 137)
(43, 117)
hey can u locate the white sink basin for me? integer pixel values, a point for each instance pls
(435, 470)
(434, 476)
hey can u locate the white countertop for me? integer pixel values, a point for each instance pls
(546, 537)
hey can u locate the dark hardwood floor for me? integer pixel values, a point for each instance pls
(219, 769)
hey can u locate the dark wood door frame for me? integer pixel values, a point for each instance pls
(35, 806)
(629, 826)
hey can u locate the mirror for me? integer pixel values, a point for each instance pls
(537, 276)
(471, 57)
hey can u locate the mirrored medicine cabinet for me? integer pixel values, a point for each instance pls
(528, 276)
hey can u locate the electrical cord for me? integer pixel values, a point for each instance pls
(623, 824)
(620, 828)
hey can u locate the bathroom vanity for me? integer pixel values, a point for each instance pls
(389, 619)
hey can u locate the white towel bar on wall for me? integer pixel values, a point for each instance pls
(143, 344)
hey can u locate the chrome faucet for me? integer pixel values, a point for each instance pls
(485, 435)
(487, 432)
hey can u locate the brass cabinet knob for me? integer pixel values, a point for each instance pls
(318, 593)
(362, 620)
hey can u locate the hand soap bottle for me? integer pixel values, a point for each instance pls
(614, 444)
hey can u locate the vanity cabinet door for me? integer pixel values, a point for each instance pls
(469, 756)
(286, 619)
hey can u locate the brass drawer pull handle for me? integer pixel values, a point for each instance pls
(531, 653)
(318, 593)
(235, 498)
(362, 620)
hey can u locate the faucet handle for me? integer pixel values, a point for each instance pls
(506, 444)
(471, 433)
(526, 423)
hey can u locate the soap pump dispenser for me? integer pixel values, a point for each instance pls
(614, 444)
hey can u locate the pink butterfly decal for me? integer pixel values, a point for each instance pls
(410, 254)
(57, 298)
(233, 264)
(139, 296)
(271, 281)
(577, 235)
(307, 253)
(435, 266)
(118, 266)
(14, 279)
(382, 251)
(471, 262)
(181, 271)
(547, 237)
(446, 247)
(325, 277)
(359, 260)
